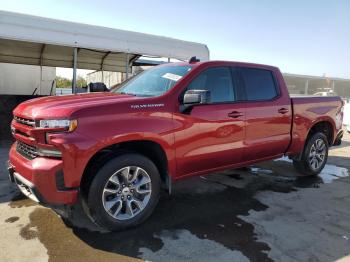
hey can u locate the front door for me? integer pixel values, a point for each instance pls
(211, 135)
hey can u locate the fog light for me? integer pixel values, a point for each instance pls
(49, 152)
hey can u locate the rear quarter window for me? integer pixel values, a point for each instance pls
(259, 84)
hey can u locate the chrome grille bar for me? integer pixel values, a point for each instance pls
(24, 121)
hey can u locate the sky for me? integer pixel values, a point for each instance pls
(302, 37)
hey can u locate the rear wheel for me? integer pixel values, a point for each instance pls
(124, 192)
(314, 157)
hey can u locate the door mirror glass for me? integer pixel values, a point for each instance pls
(193, 97)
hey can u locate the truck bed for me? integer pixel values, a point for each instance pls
(309, 110)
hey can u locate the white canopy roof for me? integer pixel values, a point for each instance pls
(26, 39)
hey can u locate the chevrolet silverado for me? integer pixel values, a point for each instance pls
(117, 149)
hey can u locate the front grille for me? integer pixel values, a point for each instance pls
(16, 131)
(24, 121)
(26, 150)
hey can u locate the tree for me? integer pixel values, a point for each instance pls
(81, 82)
(62, 82)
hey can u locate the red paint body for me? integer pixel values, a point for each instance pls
(200, 142)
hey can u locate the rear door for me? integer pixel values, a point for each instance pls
(268, 114)
(211, 135)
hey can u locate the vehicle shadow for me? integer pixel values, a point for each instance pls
(344, 144)
(208, 210)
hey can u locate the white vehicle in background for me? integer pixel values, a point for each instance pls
(346, 119)
(325, 93)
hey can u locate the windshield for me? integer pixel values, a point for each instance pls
(153, 82)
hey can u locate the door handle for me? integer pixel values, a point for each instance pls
(283, 110)
(235, 114)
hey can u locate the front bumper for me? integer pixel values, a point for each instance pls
(37, 179)
(25, 186)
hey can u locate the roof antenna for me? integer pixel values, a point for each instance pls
(194, 60)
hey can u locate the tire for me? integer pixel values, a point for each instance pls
(107, 195)
(307, 166)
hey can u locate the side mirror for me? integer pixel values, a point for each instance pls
(193, 97)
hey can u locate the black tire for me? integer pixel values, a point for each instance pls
(303, 166)
(98, 213)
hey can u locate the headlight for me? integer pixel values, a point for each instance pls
(69, 125)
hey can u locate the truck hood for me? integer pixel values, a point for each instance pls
(64, 106)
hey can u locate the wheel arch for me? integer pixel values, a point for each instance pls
(146, 147)
(324, 126)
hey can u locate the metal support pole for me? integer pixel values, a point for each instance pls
(41, 67)
(41, 77)
(333, 85)
(168, 59)
(127, 67)
(102, 64)
(306, 87)
(74, 82)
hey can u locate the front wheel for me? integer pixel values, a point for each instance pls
(314, 156)
(124, 192)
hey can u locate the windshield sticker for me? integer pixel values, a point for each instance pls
(172, 77)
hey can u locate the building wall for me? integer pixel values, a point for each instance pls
(18, 79)
(112, 78)
(109, 78)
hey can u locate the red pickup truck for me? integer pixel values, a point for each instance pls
(117, 149)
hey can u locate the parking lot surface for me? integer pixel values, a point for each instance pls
(260, 213)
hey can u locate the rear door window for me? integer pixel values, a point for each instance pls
(259, 84)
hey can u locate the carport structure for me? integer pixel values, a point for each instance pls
(32, 40)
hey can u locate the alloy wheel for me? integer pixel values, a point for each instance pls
(127, 192)
(317, 154)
